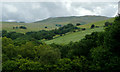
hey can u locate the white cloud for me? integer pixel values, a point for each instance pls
(59, 0)
(11, 8)
(98, 10)
(95, 8)
(35, 6)
(83, 11)
(67, 4)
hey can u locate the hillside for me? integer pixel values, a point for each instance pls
(72, 36)
(98, 23)
(51, 23)
(79, 35)
(73, 19)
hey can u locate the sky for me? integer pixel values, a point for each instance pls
(35, 11)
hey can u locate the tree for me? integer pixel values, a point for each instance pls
(8, 48)
(78, 24)
(14, 27)
(107, 24)
(30, 65)
(83, 28)
(45, 26)
(100, 57)
(107, 57)
(6, 41)
(112, 35)
(80, 64)
(23, 27)
(47, 54)
(64, 65)
(27, 50)
(92, 26)
(10, 65)
(13, 35)
(4, 32)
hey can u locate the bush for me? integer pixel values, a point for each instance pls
(78, 24)
(45, 26)
(92, 26)
(83, 28)
(23, 27)
(107, 24)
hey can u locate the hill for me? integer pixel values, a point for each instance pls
(73, 19)
(98, 23)
(51, 23)
(79, 35)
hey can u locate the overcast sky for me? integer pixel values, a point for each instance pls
(33, 11)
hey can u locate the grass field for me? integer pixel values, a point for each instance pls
(73, 36)
(30, 27)
(50, 23)
(99, 23)
(79, 35)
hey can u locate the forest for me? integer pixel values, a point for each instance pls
(96, 52)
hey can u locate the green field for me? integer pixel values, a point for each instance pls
(99, 23)
(30, 27)
(73, 36)
(79, 35)
(51, 23)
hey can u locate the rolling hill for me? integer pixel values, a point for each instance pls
(98, 23)
(62, 39)
(73, 19)
(51, 23)
(80, 34)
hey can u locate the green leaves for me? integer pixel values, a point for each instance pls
(47, 54)
(112, 39)
(10, 65)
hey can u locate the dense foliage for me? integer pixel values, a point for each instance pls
(97, 52)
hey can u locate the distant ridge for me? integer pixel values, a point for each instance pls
(73, 19)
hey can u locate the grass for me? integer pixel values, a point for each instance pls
(30, 27)
(50, 23)
(79, 35)
(99, 23)
(73, 36)
(73, 19)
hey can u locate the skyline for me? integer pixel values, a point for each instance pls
(35, 11)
